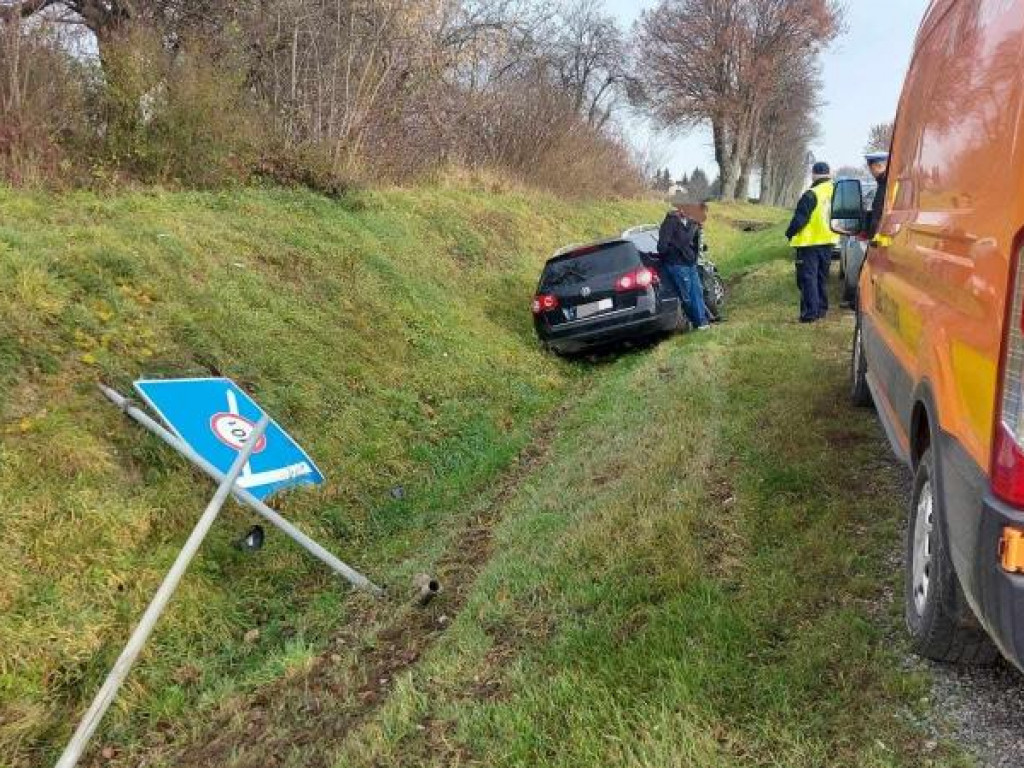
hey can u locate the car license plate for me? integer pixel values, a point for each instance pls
(587, 310)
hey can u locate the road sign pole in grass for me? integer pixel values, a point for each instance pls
(243, 496)
(131, 651)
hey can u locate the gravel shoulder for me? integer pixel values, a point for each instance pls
(981, 708)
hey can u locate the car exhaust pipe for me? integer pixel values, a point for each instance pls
(426, 588)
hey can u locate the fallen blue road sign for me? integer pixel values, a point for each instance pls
(215, 418)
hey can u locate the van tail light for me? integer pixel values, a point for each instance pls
(544, 302)
(637, 280)
(1008, 434)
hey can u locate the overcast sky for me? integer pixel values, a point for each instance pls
(863, 74)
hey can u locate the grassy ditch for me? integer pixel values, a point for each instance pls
(673, 558)
(390, 332)
(688, 567)
(692, 572)
(697, 577)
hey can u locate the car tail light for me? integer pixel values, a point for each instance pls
(544, 302)
(1008, 433)
(637, 280)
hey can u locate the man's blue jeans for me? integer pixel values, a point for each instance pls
(686, 280)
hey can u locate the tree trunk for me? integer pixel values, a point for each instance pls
(743, 180)
(725, 156)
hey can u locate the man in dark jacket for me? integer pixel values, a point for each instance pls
(811, 235)
(678, 241)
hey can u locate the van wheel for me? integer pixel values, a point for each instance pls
(860, 394)
(941, 625)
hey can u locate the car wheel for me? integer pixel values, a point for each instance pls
(860, 393)
(714, 297)
(938, 629)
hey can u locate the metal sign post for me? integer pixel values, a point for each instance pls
(131, 651)
(243, 496)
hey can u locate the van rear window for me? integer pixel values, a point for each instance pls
(580, 266)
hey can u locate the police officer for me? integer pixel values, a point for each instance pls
(810, 233)
(878, 165)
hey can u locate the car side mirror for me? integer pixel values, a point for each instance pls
(847, 216)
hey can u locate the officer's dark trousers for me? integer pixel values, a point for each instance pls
(812, 268)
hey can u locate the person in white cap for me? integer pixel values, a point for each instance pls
(878, 165)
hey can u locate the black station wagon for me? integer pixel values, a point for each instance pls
(602, 293)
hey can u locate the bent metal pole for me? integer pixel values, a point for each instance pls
(110, 686)
(243, 497)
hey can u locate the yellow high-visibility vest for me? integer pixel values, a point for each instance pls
(818, 230)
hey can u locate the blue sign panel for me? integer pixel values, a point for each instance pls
(215, 418)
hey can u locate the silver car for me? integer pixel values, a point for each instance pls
(852, 251)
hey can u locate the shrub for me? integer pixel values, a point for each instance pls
(172, 116)
(40, 104)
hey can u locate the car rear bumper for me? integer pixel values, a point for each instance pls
(1001, 594)
(608, 329)
(975, 520)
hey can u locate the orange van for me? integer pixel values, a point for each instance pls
(939, 339)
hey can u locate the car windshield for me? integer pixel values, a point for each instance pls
(587, 263)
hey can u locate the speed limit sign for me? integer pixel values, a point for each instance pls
(215, 417)
(234, 430)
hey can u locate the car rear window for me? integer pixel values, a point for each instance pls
(585, 264)
(645, 241)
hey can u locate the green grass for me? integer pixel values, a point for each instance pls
(696, 578)
(390, 332)
(689, 576)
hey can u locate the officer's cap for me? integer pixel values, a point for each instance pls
(876, 157)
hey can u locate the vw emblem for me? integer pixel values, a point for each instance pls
(585, 291)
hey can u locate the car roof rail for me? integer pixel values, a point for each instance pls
(638, 229)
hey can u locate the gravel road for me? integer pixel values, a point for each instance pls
(984, 711)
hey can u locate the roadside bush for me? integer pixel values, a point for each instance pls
(172, 116)
(586, 163)
(314, 93)
(305, 165)
(40, 104)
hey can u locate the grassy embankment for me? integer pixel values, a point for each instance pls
(685, 573)
(391, 333)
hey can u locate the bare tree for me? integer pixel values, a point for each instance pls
(879, 138)
(723, 63)
(786, 132)
(588, 56)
